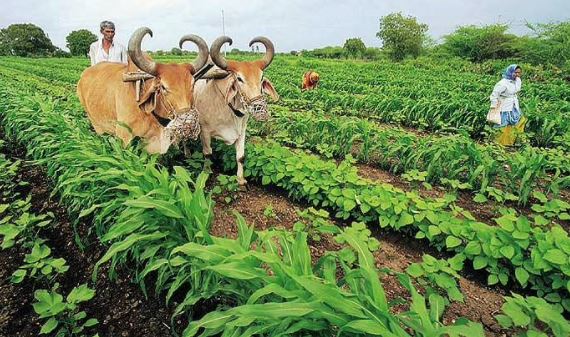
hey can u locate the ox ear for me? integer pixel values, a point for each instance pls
(267, 87)
(232, 90)
(147, 102)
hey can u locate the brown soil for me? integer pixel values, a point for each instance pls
(396, 252)
(120, 306)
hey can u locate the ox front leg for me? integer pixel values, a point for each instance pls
(123, 134)
(240, 158)
(207, 151)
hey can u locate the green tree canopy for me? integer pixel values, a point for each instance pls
(481, 43)
(402, 36)
(354, 47)
(176, 51)
(551, 44)
(25, 39)
(78, 42)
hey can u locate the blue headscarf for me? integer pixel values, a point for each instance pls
(509, 73)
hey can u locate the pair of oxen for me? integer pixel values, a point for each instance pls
(175, 102)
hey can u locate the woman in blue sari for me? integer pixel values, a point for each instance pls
(505, 94)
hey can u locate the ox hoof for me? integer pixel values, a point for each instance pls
(242, 182)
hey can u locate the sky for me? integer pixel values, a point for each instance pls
(290, 24)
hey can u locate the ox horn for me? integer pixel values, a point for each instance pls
(202, 58)
(144, 62)
(269, 49)
(218, 59)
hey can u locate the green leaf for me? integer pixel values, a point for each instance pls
(434, 230)
(348, 205)
(436, 307)
(492, 279)
(166, 208)
(522, 275)
(480, 198)
(266, 180)
(507, 251)
(451, 241)
(504, 321)
(91, 322)
(556, 256)
(18, 276)
(480, 262)
(516, 314)
(49, 326)
(506, 223)
(473, 248)
(405, 219)
(80, 294)
(415, 270)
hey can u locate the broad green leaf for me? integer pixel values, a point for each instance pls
(49, 326)
(80, 294)
(556, 256)
(522, 275)
(451, 241)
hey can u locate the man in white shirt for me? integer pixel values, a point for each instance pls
(105, 50)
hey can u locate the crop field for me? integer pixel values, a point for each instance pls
(378, 204)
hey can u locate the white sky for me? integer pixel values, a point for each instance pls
(291, 25)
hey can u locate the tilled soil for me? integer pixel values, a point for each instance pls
(119, 305)
(396, 252)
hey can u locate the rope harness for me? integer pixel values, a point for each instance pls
(256, 106)
(184, 123)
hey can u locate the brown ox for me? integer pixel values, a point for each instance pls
(112, 105)
(227, 96)
(310, 80)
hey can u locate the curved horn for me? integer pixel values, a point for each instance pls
(218, 59)
(202, 58)
(269, 49)
(144, 63)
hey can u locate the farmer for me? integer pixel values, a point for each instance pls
(310, 80)
(505, 94)
(106, 50)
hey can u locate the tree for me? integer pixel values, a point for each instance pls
(25, 39)
(78, 42)
(176, 51)
(551, 44)
(481, 43)
(354, 47)
(402, 36)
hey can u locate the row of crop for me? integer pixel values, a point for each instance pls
(395, 94)
(158, 222)
(424, 99)
(266, 314)
(518, 169)
(479, 166)
(532, 256)
(20, 229)
(442, 157)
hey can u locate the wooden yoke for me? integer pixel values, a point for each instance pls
(137, 77)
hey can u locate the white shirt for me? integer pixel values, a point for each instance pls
(506, 91)
(117, 53)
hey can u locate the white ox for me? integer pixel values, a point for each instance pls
(227, 96)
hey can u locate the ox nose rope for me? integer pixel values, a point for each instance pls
(184, 123)
(256, 107)
(184, 126)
